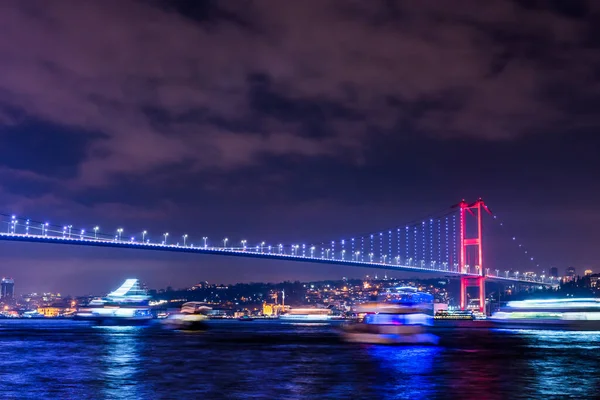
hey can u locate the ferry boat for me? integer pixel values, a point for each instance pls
(400, 315)
(307, 315)
(192, 317)
(567, 314)
(455, 315)
(128, 305)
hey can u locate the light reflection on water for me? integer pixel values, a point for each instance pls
(268, 359)
(406, 370)
(120, 362)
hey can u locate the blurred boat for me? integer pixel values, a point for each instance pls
(399, 316)
(245, 318)
(307, 315)
(192, 317)
(563, 314)
(128, 305)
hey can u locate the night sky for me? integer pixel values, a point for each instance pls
(294, 121)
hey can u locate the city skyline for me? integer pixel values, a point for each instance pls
(275, 141)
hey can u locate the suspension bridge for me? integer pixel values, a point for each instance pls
(448, 244)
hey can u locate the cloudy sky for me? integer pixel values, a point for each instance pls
(293, 121)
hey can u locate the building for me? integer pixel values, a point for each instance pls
(570, 272)
(554, 272)
(56, 310)
(272, 310)
(7, 289)
(587, 272)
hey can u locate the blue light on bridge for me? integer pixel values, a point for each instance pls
(381, 256)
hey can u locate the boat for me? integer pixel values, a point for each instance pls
(192, 317)
(307, 315)
(455, 315)
(562, 314)
(128, 305)
(401, 315)
(245, 318)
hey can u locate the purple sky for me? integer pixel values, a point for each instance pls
(293, 121)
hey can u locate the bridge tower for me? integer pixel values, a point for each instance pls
(471, 248)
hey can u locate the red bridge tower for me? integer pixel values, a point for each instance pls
(471, 250)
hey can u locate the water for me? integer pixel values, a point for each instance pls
(61, 359)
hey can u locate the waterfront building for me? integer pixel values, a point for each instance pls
(554, 272)
(272, 310)
(55, 310)
(7, 289)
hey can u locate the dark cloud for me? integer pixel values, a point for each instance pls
(186, 113)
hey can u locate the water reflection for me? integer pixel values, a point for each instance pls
(121, 362)
(555, 372)
(405, 372)
(40, 359)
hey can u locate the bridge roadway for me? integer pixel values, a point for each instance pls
(238, 252)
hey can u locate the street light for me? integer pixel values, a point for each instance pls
(205, 239)
(144, 236)
(357, 254)
(166, 234)
(262, 244)
(70, 227)
(184, 239)
(244, 244)
(327, 253)
(384, 257)
(81, 234)
(312, 251)
(64, 231)
(225, 243)
(96, 228)
(119, 233)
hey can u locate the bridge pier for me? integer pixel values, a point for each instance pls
(472, 281)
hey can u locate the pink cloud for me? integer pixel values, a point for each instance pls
(98, 66)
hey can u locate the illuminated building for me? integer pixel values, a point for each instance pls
(7, 289)
(54, 311)
(570, 275)
(272, 310)
(588, 272)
